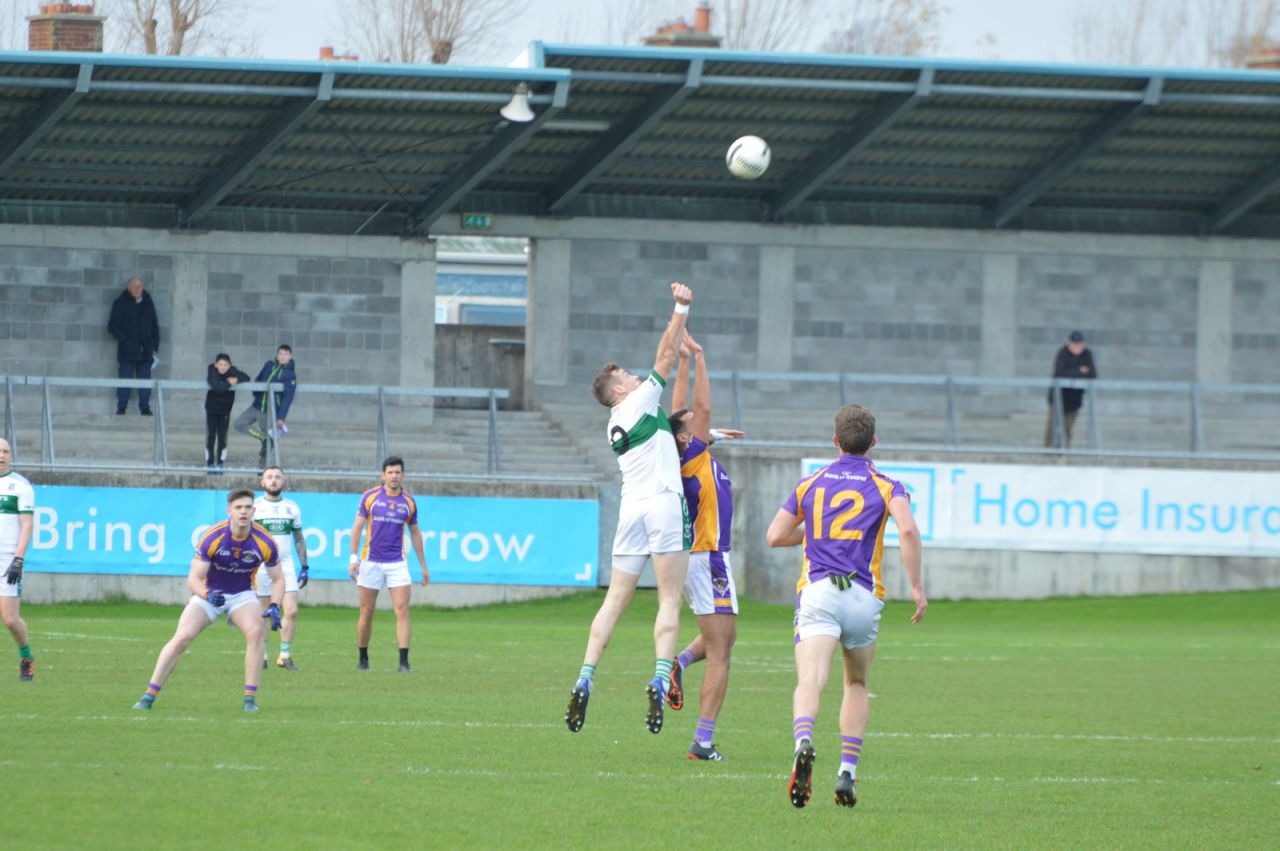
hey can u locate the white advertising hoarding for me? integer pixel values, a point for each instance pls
(1090, 509)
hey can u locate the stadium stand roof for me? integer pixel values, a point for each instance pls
(637, 132)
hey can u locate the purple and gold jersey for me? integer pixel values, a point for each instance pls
(387, 518)
(844, 507)
(709, 494)
(234, 562)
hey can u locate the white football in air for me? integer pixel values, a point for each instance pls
(748, 157)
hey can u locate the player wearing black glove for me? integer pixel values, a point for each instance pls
(302, 576)
(14, 574)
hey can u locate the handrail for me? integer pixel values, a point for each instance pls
(161, 462)
(952, 388)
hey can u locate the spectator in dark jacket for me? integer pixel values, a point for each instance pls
(1074, 360)
(134, 324)
(254, 421)
(223, 377)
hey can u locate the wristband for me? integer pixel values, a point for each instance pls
(355, 559)
(682, 308)
(717, 434)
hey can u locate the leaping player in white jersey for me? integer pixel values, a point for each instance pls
(17, 504)
(653, 520)
(283, 519)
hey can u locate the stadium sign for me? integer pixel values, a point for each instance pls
(1089, 509)
(467, 540)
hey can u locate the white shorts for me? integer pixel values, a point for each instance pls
(709, 585)
(383, 574)
(262, 583)
(851, 615)
(233, 602)
(654, 524)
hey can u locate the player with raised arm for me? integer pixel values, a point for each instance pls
(839, 515)
(709, 586)
(17, 507)
(281, 517)
(386, 510)
(653, 519)
(227, 558)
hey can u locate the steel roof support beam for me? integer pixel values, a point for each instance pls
(611, 148)
(1253, 193)
(484, 162)
(864, 134)
(1052, 173)
(233, 172)
(28, 134)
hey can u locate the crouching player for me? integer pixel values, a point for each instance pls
(843, 508)
(221, 582)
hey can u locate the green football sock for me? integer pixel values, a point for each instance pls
(24, 652)
(662, 670)
(587, 673)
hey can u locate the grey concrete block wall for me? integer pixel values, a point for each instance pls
(54, 305)
(620, 302)
(1138, 314)
(1255, 324)
(338, 302)
(340, 315)
(860, 310)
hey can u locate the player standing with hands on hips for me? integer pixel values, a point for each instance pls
(387, 510)
(839, 514)
(653, 519)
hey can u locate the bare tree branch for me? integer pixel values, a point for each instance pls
(889, 28)
(179, 27)
(764, 24)
(1211, 33)
(433, 31)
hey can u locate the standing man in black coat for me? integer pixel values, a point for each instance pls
(137, 331)
(1074, 360)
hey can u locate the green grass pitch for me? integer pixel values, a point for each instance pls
(1148, 722)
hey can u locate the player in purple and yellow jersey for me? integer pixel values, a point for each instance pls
(709, 586)
(381, 563)
(839, 514)
(227, 558)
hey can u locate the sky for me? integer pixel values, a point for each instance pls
(1022, 29)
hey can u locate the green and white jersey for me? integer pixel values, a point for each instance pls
(280, 517)
(16, 497)
(641, 439)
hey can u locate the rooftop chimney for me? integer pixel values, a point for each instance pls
(65, 26)
(678, 33)
(702, 17)
(327, 54)
(1266, 59)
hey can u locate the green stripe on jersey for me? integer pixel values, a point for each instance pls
(658, 378)
(278, 525)
(9, 504)
(646, 427)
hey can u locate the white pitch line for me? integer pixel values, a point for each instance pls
(435, 723)
(88, 637)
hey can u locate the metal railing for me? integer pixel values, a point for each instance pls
(1173, 407)
(162, 462)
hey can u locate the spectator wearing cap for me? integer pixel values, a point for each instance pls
(1074, 360)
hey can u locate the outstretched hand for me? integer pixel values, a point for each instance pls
(681, 293)
(695, 348)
